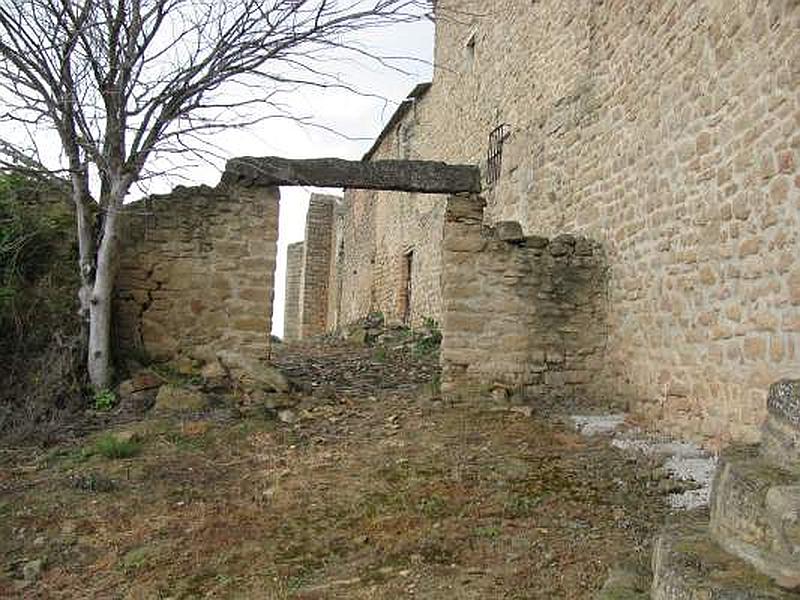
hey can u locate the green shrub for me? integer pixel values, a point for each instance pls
(111, 447)
(40, 334)
(429, 338)
(104, 400)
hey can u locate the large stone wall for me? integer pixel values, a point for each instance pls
(525, 318)
(294, 283)
(196, 273)
(668, 131)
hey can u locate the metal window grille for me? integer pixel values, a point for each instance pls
(494, 158)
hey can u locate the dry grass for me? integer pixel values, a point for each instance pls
(386, 499)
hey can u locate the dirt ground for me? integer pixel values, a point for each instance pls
(377, 490)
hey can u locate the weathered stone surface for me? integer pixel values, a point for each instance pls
(213, 371)
(313, 297)
(783, 402)
(196, 273)
(138, 393)
(780, 442)
(294, 283)
(401, 175)
(689, 565)
(521, 321)
(254, 374)
(175, 399)
(509, 231)
(755, 508)
(32, 569)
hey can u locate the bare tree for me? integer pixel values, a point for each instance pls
(124, 81)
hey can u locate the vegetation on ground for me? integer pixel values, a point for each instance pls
(372, 492)
(39, 329)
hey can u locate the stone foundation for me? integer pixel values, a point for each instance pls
(524, 316)
(196, 273)
(754, 531)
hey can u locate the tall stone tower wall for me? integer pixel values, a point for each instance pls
(316, 266)
(294, 283)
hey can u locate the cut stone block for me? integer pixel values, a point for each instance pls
(755, 506)
(423, 176)
(689, 565)
(780, 440)
(783, 401)
(509, 231)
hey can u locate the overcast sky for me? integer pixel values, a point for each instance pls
(357, 118)
(351, 115)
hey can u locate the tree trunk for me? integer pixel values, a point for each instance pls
(99, 359)
(86, 249)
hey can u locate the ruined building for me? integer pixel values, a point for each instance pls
(640, 236)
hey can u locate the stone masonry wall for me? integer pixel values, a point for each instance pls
(316, 266)
(196, 273)
(294, 281)
(525, 318)
(668, 131)
(380, 229)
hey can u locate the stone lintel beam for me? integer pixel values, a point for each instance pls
(392, 175)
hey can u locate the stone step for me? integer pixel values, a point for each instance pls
(780, 440)
(689, 565)
(755, 513)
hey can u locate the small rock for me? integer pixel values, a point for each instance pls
(213, 371)
(32, 569)
(184, 365)
(674, 486)
(325, 392)
(526, 411)
(127, 435)
(253, 374)
(509, 231)
(287, 415)
(278, 401)
(172, 398)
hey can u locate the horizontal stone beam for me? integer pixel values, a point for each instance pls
(397, 175)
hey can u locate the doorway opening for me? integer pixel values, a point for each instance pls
(406, 287)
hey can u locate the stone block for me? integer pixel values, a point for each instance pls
(689, 565)
(509, 231)
(783, 401)
(780, 442)
(751, 506)
(175, 399)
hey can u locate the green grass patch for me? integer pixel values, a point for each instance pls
(521, 505)
(113, 448)
(487, 531)
(433, 507)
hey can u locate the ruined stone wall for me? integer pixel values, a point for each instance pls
(294, 282)
(525, 318)
(196, 273)
(313, 299)
(667, 131)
